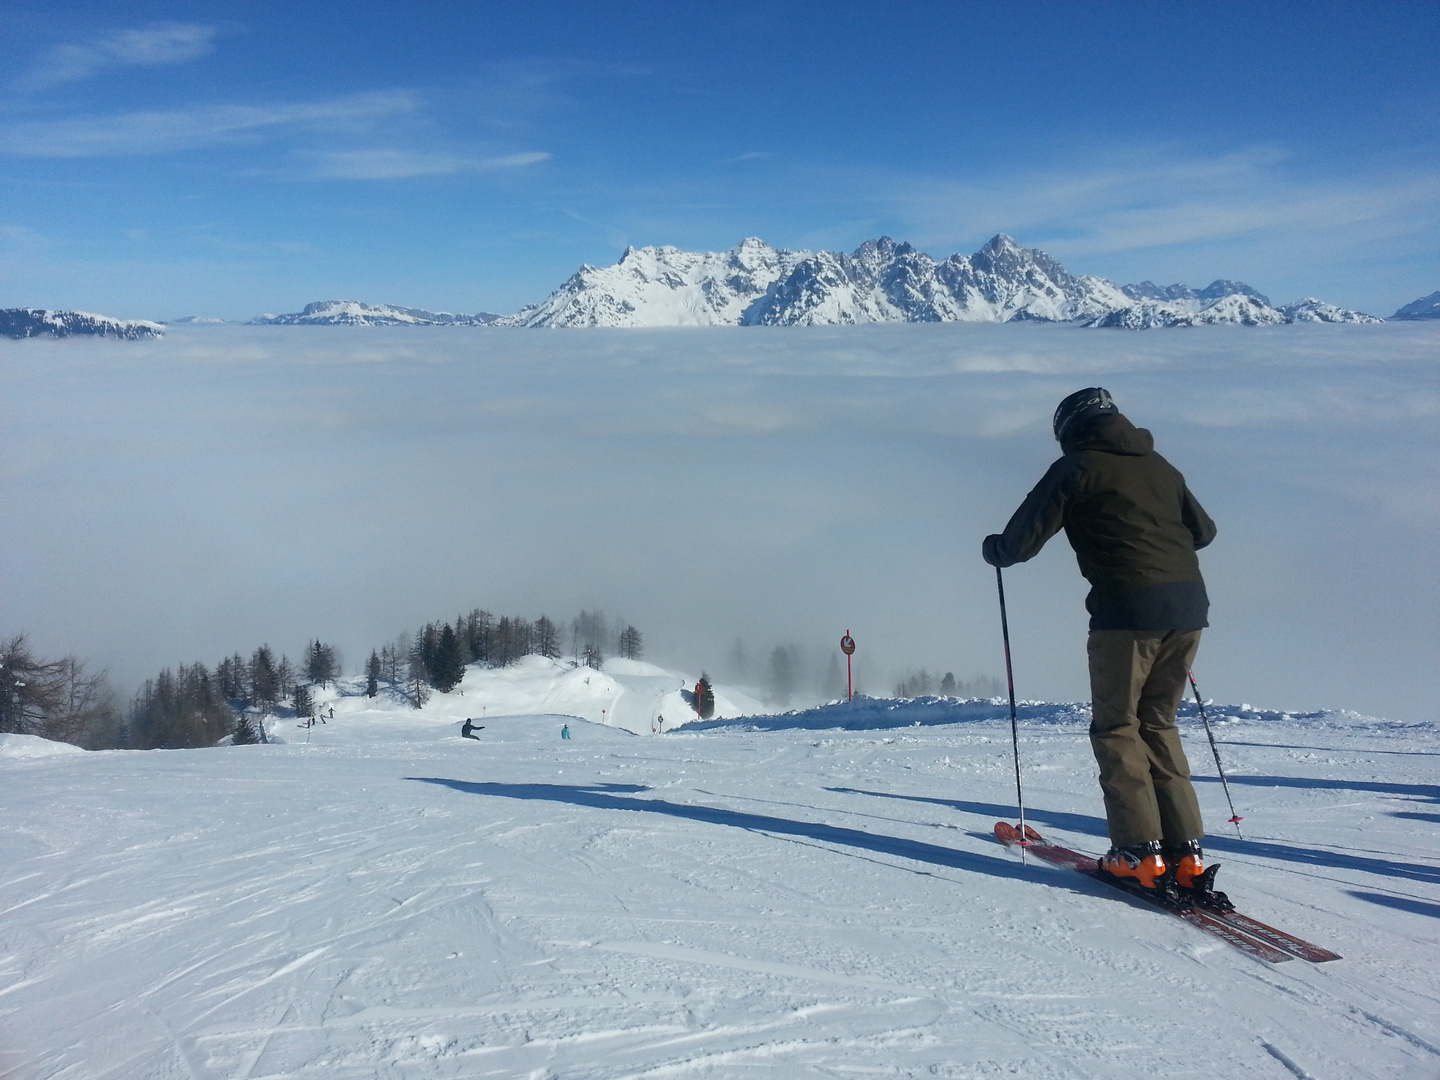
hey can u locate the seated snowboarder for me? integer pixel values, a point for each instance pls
(468, 731)
(1135, 529)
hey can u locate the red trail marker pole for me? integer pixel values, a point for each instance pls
(847, 646)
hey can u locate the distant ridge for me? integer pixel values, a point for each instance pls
(41, 322)
(1427, 307)
(354, 313)
(883, 280)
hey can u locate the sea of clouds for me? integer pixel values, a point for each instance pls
(182, 499)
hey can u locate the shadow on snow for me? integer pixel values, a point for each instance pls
(621, 797)
(1399, 903)
(1260, 849)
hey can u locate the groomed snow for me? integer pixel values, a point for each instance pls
(807, 896)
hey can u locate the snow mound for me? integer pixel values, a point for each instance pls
(878, 714)
(872, 714)
(33, 746)
(631, 695)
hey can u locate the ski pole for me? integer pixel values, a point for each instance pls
(1014, 728)
(1235, 818)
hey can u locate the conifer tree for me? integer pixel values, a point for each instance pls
(180, 709)
(232, 677)
(372, 675)
(418, 674)
(244, 734)
(479, 636)
(449, 663)
(264, 682)
(631, 643)
(284, 678)
(56, 699)
(782, 675)
(547, 638)
(322, 663)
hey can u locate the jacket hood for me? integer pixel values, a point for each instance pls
(1111, 434)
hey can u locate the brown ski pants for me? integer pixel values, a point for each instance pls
(1137, 679)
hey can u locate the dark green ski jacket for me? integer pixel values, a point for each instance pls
(1133, 523)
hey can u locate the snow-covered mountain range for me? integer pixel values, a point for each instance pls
(754, 284)
(40, 322)
(354, 313)
(883, 280)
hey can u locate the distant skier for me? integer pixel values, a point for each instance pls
(1135, 529)
(565, 731)
(468, 731)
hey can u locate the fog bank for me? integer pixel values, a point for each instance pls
(183, 499)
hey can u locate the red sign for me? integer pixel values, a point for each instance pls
(847, 644)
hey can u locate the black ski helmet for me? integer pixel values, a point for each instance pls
(1080, 408)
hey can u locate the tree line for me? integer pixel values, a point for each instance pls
(923, 684)
(195, 706)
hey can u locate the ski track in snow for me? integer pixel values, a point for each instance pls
(390, 900)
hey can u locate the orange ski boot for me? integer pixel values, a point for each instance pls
(1141, 863)
(1194, 880)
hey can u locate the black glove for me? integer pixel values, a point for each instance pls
(990, 550)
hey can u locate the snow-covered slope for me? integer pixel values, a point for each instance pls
(1240, 309)
(664, 286)
(629, 694)
(812, 900)
(880, 281)
(1427, 307)
(885, 281)
(1312, 310)
(354, 313)
(40, 322)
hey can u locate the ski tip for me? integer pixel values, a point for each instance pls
(1012, 836)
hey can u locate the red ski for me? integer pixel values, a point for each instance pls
(1251, 936)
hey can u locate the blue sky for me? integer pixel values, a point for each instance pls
(160, 158)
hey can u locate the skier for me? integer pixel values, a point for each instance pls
(565, 731)
(468, 731)
(1135, 529)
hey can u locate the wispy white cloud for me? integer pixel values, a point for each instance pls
(392, 164)
(168, 131)
(153, 46)
(1141, 199)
